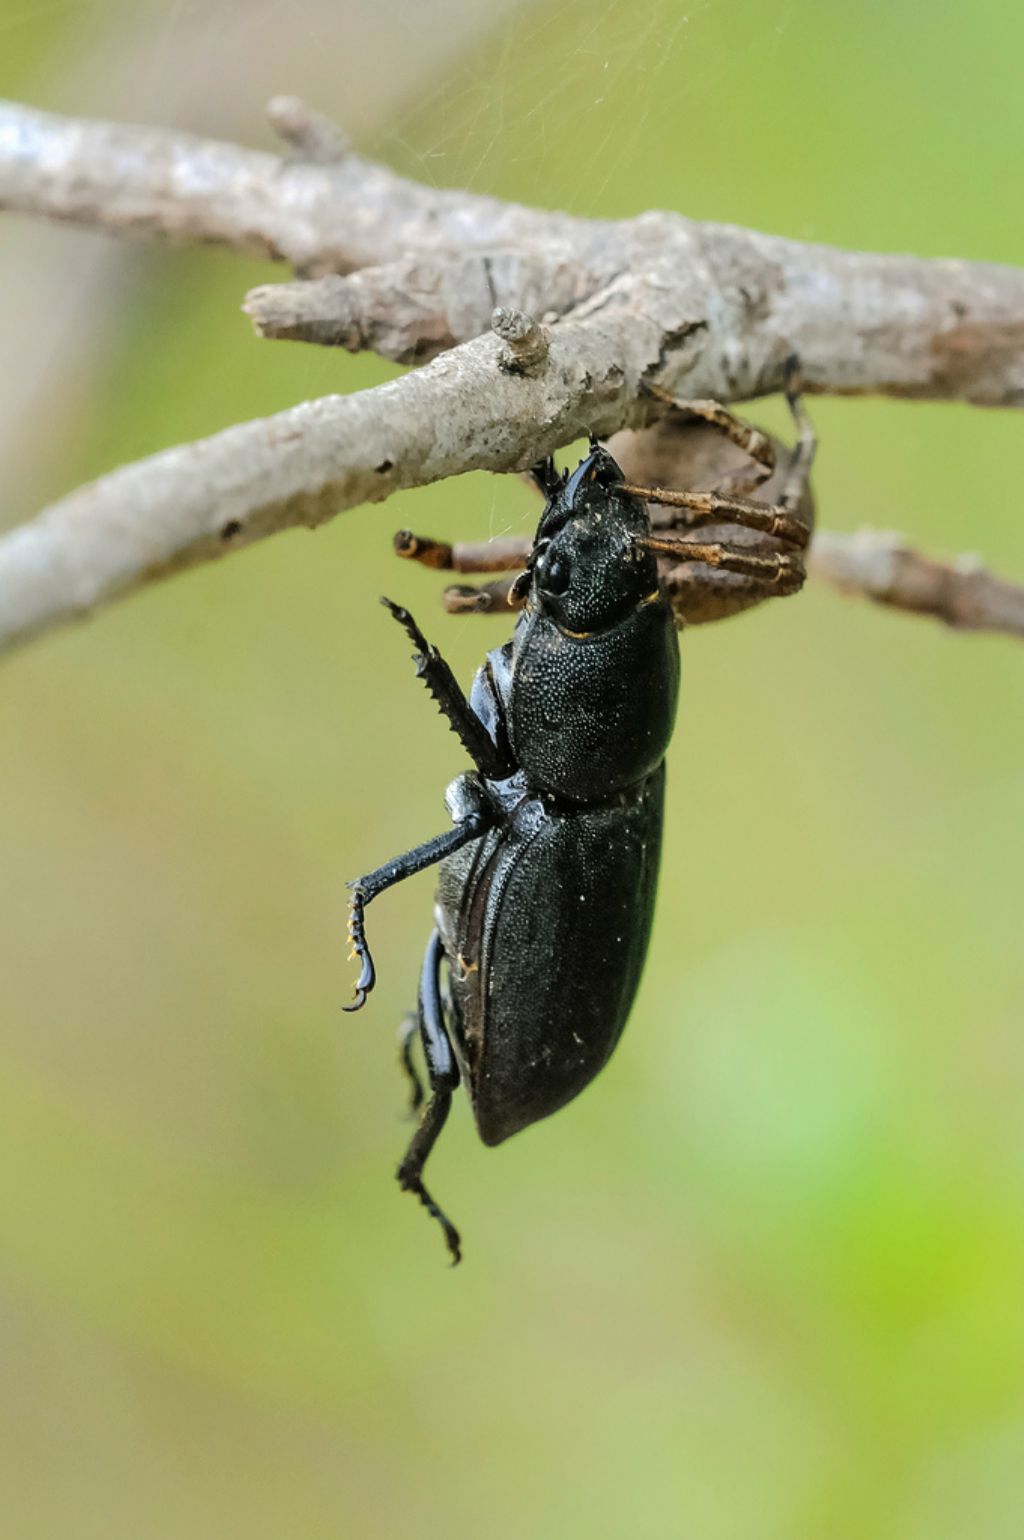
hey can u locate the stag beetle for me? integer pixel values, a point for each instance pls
(547, 876)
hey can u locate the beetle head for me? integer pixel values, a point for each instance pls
(587, 568)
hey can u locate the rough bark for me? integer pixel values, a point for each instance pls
(416, 273)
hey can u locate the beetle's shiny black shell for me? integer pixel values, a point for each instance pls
(545, 923)
(589, 715)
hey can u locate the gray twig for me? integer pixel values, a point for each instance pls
(198, 501)
(526, 343)
(883, 567)
(313, 135)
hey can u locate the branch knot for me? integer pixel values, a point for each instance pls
(525, 341)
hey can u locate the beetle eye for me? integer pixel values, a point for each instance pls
(606, 473)
(553, 574)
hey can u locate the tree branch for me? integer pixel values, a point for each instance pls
(194, 503)
(709, 310)
(882, 567)
(312, 135)
(732, 303)
(321, 217)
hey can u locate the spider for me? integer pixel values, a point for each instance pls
(721, 551)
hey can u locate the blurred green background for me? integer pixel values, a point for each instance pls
(765, 1279)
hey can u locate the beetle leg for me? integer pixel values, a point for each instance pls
(406, 1032)
(443, 1073)
(476, 822)
(446, 690)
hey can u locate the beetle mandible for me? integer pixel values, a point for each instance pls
(547, 876)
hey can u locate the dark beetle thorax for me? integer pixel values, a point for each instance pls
(585, 692)
(588, 716)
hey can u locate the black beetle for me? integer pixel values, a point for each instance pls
(547, 880)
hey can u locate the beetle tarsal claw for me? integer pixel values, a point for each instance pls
(409, 1181)
(367, 973)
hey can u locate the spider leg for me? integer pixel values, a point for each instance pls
(802, 458)
(744, 435)
(780, 520)
(773, 573)
(503, 555)
(486, 598)
(719, 508)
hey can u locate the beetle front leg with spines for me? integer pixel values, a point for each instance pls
(473, 817)
(447, 692)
